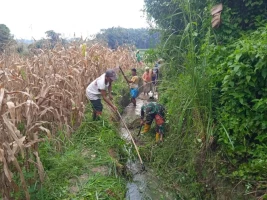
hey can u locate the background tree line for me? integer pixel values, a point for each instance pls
(116, 36)
(141, 38)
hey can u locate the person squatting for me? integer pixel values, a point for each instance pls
(149, 112)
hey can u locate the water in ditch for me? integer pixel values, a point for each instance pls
(144, 184)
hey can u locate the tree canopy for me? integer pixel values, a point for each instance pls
(4, 36)
(52, 35)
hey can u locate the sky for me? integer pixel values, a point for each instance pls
(32, 18)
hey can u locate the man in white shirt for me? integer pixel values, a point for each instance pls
(99, 88)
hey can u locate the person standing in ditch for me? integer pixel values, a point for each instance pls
(133, 86)
(155, 76)
(147, 80)
(149, 112)
(99, 88)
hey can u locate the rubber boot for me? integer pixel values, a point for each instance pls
(146, 128)
(157, 137)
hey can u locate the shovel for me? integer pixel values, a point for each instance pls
(140, 130)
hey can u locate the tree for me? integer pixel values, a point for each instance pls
(52, 35)
(4, 36)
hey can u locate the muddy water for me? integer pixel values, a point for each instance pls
(145, 184)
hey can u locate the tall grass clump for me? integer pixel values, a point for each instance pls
(185, 92)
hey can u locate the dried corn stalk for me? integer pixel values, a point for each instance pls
(41, 94)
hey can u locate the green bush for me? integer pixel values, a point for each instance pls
(150, 56)
(240, 79)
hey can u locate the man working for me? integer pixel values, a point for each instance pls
(98, 88)
(155, 76)
(133, 86)
(155, 72)
(147, 81)
(151, 111)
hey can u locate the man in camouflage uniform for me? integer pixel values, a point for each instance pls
(151, 111)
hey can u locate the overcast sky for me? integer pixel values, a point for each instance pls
(31, 18)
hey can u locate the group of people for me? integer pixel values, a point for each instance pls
(102, 87)
(150, 78)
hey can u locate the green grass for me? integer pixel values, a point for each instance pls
(89, 165)
(84, 168)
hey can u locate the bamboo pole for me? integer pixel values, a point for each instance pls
(136, 148)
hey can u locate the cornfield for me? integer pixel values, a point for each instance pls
(40, 95)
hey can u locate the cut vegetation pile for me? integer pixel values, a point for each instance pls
(41, 95)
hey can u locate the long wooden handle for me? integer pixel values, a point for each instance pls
(136, 148)
(122, 71)
(124, 76)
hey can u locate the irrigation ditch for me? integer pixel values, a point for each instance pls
(144, 183)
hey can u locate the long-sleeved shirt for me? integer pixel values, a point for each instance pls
(152, 108)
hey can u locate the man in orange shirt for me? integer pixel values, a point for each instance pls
(147, 81)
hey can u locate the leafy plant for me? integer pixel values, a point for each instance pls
(150, 56)
(240, 75)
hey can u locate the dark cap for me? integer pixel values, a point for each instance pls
(111, 74)
(133, 69)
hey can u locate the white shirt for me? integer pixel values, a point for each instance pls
(93, 90)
